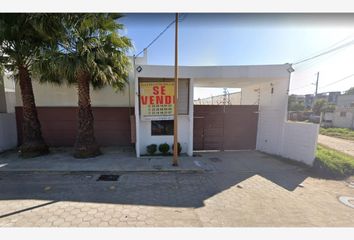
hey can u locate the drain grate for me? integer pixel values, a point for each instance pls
(108, 178)
(215, 159)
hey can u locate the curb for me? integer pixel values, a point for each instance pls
(185, 171)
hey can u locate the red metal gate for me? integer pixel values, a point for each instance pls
(230, 127)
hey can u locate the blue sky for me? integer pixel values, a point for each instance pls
(251, 39)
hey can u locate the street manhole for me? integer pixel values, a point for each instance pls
(348, 201)
(111, 178)
(215, 159)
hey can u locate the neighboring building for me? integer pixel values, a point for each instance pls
(343, 115)
(142, 113)
(345, 101)
(309, 100)
(224, 99)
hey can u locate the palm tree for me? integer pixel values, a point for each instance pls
(90, 52)
(22, 36)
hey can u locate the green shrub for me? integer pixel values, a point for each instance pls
(164, 148)
(179, 147)
(151, 149)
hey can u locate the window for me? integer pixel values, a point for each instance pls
(160, 128)
(343, 114)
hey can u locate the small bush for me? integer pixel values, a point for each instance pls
(164, 148)
(151, 149)
(179, 147)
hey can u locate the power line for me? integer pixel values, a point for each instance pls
(181, 18)
(329, 47)
(342, 79)
(325, 52)
(332, 83)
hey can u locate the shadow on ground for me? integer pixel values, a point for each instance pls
(228, 169)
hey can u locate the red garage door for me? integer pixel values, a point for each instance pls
(232, 127)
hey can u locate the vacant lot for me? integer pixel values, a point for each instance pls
(344, 133)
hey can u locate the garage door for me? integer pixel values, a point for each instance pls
(232, 127)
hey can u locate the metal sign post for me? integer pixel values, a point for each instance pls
(175, 125)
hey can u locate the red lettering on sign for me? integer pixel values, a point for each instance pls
(152, 99)
(168, 100)
(159, 99)
(163, 90)
(155, 90)
(144, 100)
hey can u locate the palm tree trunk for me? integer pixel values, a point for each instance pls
(32, 141)
(85, 145)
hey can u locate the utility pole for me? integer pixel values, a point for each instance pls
(175, 125)
(318, 77)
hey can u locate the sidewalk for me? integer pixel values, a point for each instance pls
(112, 160)
(341, 145)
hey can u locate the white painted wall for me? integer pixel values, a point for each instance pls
(346, 121)
(50, 95)
(183, 135)
(299, 141)
(10, 101)
(272, 112)
(8, 133)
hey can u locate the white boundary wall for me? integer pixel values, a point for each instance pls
(8, 132)
(299, 141)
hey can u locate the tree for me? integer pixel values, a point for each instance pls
(22, 36)
(350, 91)
(91, 51)
(294, 105)
(319, 106)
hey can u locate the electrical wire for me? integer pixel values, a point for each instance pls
(329, 47)
(181, 18)
(342, 79)
(325, 52)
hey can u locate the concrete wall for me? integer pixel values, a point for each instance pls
(8, 134)
(299, 141)
(296, 141)
(346, 121)
(272, 112)
(10, 101)
(183, 135)
(50, 95)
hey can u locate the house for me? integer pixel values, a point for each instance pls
(343, 115)
(142, 113)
